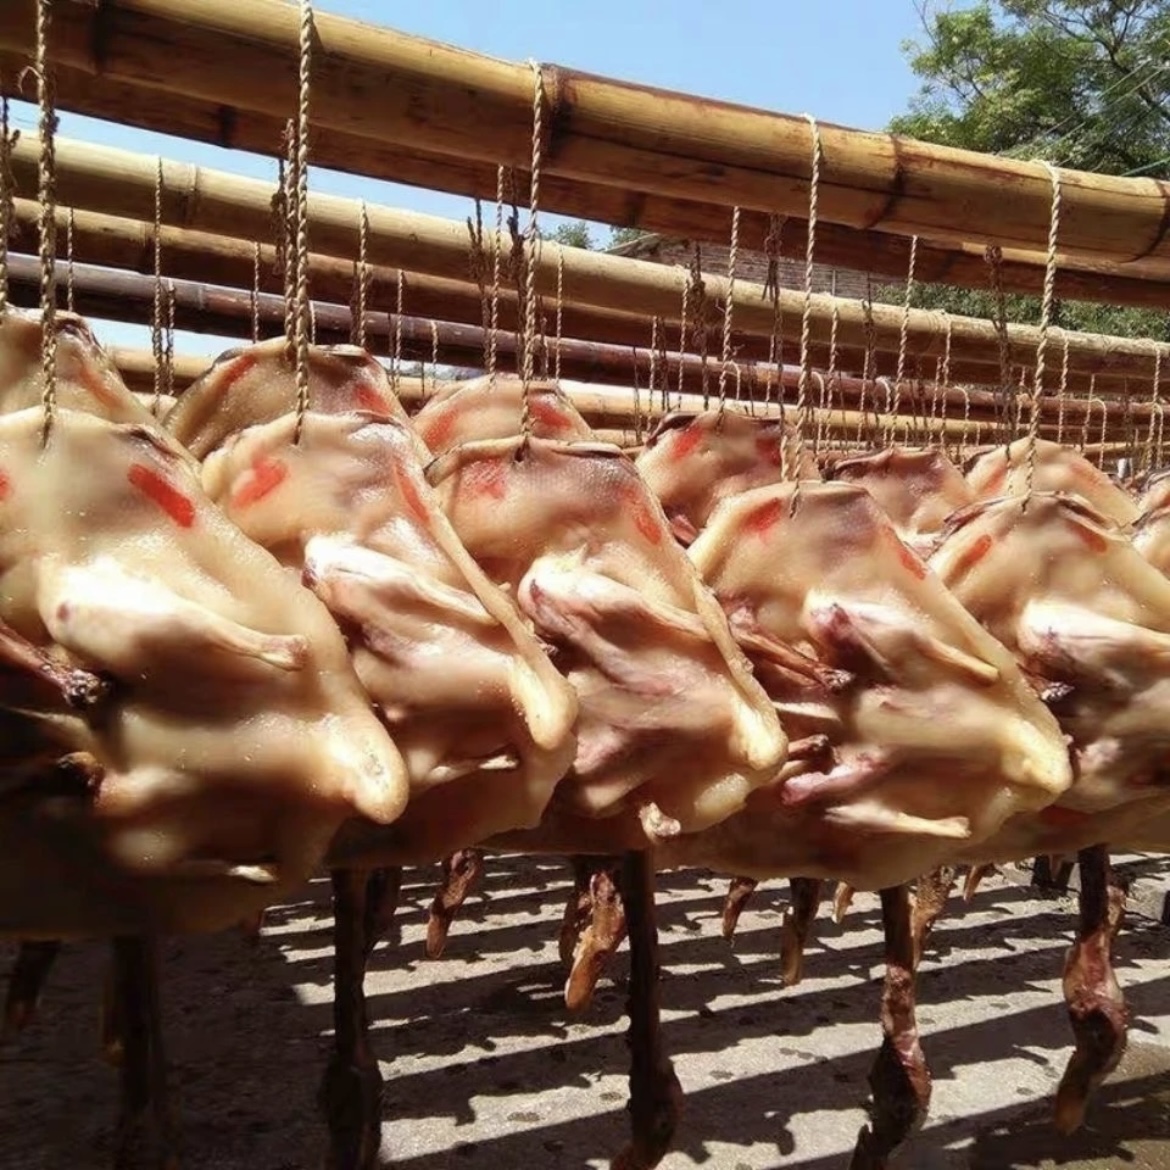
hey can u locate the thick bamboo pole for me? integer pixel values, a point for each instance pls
(387, 86)
(122, 183)
(128, 297)
(957, 263)
(220, 260)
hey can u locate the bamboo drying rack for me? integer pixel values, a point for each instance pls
(122, 183)
(462, 105)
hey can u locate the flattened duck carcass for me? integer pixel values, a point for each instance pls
(491, 407)
(693, 461)
(1156, 493)
(885, 684)
(1151, 531)
(1003, 471)
(917, 489)
(255, 384)
(673, 727)
(1089, 619)
(235, 737)
(483, 719)
(86, 378)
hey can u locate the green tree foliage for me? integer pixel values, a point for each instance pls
(1081, 83)
(1081, 316)
(573, 235)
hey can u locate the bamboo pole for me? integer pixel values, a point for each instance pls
(611, 416)
(617, 419)
(385, 85)
(116, 242)
(228, 312)
(1143, 283)
(123, 183)
(218, 260)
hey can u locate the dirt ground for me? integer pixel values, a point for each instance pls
(484, 1070)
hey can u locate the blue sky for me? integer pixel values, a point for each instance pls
(840, 60)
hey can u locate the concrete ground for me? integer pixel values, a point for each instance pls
(485, 1071)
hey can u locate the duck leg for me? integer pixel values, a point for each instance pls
(899, 1079)
(1096, 1005)
(33, 963)
(578, 908)
(842, 900)
(931, 892)
(604, 929)
(462, 872)
(655, 1094)
(145, 1138)
(351, 1091)
(383, 887)
(738, 893)
(799, 914)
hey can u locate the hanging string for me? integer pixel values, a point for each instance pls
(282, 203)
(7, 186)
(1128, 423)
(168, 355)
(806, 310)
(497, 257)
(944, 377)
(654, 327)
(729, 306)
(870, 333)
(1088, 412)
(931, 422)
(1158, 453)
(533, 250)
(1062, 393)
(361, 282)
(561, 311)
(637, 395)
(962, 443)
(1104, 427)
(255, 297)
(1155, 401)
(993, 255)
(396, 357)
(834, 357)
(884, 382)
(156, 318)
(699, 331)
(1046, 301)
(434, 355)
(301, 208)
(919, 426)
(682, 346)
(69, 301)
(772, 253)
(819, 421)
(903, 341)
(753, 389)
(1021, 392)
(477, 269)
(772, 250)
(47, 193)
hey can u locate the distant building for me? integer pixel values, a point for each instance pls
(750, 265)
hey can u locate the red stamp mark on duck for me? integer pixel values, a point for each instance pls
(168, 497)
(266, 475)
